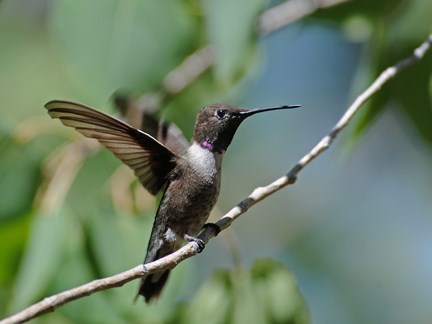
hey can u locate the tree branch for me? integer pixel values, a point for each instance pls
(200, 61)
(290, 11)
(49, 304)
(260, 193)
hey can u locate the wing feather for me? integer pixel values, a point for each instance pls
(149, 159)
(166, 133)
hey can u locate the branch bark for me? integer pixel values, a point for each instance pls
(290, 11)
(51, 303)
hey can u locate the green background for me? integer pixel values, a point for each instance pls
(348, 243)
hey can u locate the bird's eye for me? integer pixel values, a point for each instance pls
(221, 113)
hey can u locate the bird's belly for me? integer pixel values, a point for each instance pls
(189, 207)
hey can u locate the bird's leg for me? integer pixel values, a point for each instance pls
(201, 244)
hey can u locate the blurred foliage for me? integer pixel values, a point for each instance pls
(265, 294)
(87, 50)
(410, 23)
(128, 46)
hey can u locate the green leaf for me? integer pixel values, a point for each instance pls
(19, 175)
(411, 89)
(370, 8)
(42, 258)
(112, 44)
(13, 235)
(248, 307)
(231, 29)
(98, 308)
(90, 184)
(410, 24)
(281, 296)
(266, 294)
(212, 298)
(414, 24)
(118, 242)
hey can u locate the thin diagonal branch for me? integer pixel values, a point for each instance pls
(262, 192)
(189, 250)
(49, 304)
(290, 11)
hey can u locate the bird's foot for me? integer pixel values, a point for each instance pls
(216, 228)
(201, 244)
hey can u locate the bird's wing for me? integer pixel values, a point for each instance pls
(149, 159)
(167, 133)
(172, 137)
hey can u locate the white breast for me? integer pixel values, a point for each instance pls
(207, 164)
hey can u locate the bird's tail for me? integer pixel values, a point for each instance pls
(151, 286)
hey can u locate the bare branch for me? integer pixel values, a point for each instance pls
(290, 11)
(200, 61)
(49, 304)
(191, 68)
(260, 193)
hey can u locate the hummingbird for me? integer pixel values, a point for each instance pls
(190, 180)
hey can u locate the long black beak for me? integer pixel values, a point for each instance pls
(251, 112)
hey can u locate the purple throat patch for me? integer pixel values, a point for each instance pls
(207, 144)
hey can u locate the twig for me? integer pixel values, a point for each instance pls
(290, 11)
(260, 193)
(60, 172)
(175, 81)
(200, 61)
(192, 67)
(49, 304)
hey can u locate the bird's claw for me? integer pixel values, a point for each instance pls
(201, 244)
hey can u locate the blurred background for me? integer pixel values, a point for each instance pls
(350, 242)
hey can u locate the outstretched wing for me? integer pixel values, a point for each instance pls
(149, 159)
(166, 133)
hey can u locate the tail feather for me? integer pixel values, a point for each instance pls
(151, 286)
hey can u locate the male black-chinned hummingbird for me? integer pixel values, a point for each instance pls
(190, 181)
